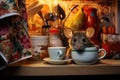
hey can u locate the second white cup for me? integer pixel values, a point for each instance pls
(56, 53)
(88, 55)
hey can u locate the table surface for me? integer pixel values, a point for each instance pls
(40, 68)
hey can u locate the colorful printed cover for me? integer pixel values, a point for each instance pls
(15, 42)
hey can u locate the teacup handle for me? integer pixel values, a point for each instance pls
(104, 51)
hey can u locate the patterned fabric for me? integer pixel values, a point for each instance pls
(14, 39)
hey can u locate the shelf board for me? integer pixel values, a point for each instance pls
(40, 68)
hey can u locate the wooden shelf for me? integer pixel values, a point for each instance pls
(40, 68)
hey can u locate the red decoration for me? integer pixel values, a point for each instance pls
(111, 47)
(91, 20)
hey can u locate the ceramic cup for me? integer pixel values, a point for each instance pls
(40, 45)
(88, 55)
(56, 53)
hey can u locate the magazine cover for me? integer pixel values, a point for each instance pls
(15, 42)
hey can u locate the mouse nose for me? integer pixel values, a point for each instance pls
(78, 46)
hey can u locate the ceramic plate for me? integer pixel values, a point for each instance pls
(48, 60)
(23, 58)
(9, 15)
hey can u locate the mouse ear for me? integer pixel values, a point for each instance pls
(68, 32)
(90, 32)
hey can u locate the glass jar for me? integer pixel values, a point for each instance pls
(54, 40)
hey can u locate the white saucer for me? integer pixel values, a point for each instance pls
(48, 60)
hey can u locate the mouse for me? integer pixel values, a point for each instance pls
(77, 40)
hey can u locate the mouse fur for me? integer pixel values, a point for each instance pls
(78, 42)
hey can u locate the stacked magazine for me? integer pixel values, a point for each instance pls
(15, 42)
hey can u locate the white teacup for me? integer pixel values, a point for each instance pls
(88, 55)
(56, 53)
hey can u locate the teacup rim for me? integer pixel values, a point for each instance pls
(38, 36)
(56, 47)
(88, 49)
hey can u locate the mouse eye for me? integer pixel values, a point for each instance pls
(75, 40)
(84, 40)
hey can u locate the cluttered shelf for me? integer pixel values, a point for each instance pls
(41, 68)
(22, 45)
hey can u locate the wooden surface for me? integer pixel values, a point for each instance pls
(40, 68)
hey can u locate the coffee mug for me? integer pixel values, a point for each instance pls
(56, 53)
(88, 55)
